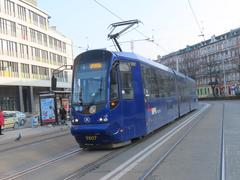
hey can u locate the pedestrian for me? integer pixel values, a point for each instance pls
(1, 120)
(63, 114)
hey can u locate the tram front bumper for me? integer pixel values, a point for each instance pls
(96, 134)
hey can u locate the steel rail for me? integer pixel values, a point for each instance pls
(222, 163)
(88, 168)
(40, 139)
(158, 162)
(135, 160)
(41, 165)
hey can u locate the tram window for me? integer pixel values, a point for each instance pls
(154, 84)
(114, 84)
(145, 71)
(126, 81)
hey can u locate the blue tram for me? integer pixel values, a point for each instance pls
(119, 96)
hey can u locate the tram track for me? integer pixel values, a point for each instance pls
(31, 141)
(42, 165)
(95, 164)
(89, 167)
(222, 151)
(149, 171)
(115, 174)
(135, 160)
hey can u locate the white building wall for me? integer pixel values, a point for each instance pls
(26, 62)
(30, 60)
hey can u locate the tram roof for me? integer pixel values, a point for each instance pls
(136, 57)
(142, 59)
(150, 62)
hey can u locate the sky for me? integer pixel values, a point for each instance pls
(171, 24)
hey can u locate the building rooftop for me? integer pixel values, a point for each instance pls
(212, 40)
(32, 2)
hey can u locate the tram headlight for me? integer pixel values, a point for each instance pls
(103, 119)
(75, 120)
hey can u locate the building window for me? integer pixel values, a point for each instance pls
(11, 48)
(64, 47)
(24, 33)
(40, 72)
(53, 58)
(65, 76)
(33, 36)
(22, 13)
(37, 20)
(42, 22)
(44, 55)
(3, 26)
(34, 72)
(8, 48)
(59, 60)
(8, 69)
(7, 27)
(39, 37)
(64, 60)
(9, 7)
(45, 40)
(57, 44)
(37, 54)
(3, 47)
(24, 51)
(13, 28)
(25, 73)
(50, 42)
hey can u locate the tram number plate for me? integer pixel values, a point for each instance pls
(91, 138)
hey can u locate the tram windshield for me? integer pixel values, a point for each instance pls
(90, 81)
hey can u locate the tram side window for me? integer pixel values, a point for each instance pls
(148, 78)
(154, 83)
(163, 83)
(171, 85)
(126, 80)
(114, 84)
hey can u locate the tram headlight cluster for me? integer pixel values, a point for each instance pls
(75, 120)
(103, 119)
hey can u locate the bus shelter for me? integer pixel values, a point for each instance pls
(50, 103)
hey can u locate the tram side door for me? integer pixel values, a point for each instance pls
(132, 100)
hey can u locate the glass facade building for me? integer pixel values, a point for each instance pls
(29, 51)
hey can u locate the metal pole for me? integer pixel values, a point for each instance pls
(224, 79)
(177, 65)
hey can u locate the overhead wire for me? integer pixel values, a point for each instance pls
(114, 14)
(196, 20)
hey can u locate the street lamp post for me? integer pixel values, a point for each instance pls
(224, 78)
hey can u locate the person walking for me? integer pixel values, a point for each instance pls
(63, 114)
(1, 120)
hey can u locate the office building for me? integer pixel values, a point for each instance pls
(29, 51)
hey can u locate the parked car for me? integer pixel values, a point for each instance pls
(35, 120)
(10, 120)
(21, 117)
